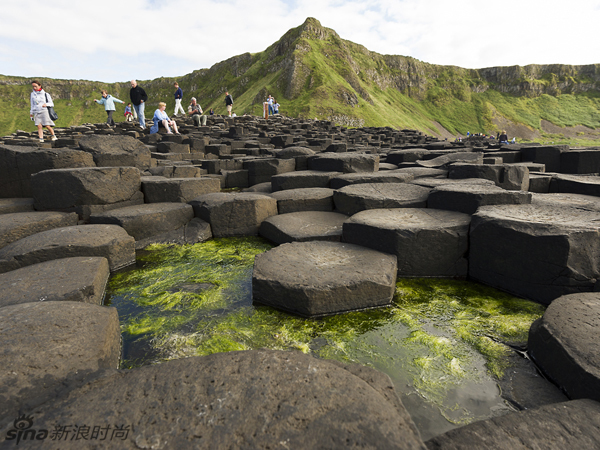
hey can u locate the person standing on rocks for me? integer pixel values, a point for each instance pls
(503, 138)
(138, 98)
(275, 107)
(270, 103)
(161, 120)
(195, 110)
(178, 98)
(109, 105)
(40, 100)
(228, 102)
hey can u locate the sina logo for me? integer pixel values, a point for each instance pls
(22, 430)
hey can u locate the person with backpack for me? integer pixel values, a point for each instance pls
(109, 105)
(40, 101)
(228, 102)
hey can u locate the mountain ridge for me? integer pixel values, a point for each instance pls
(313, 72)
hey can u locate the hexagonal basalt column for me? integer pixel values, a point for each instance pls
(322, 278)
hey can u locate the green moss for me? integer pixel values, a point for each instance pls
(437, 335)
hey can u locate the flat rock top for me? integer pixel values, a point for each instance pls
(410, 218)
(290, 152)
(419, 172)
(71, 236)
(385, 190)
(307, 173)
(472, 188)
(543, 215)
(52, 280)
(218, 198)
(574, 320)
(111, 144)
(324, 263)
(579, 178)
(588, 202)
(450, 158)
(12, 220)
(252, 399)
(302, 193)
(346, 156)
(436, 182)
(146, 208)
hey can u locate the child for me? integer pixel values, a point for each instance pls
(128, 114)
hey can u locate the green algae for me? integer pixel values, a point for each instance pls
(439, 336)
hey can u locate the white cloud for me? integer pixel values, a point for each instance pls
(111, 40)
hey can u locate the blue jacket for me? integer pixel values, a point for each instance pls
(178, 93)
(109, 102)
(159, 116)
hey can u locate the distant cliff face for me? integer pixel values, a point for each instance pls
(312, 72)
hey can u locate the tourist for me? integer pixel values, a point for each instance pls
(178, 97)
(40, 100)
(212, 112)
(109, 106)
(195, 110)
(270, 104)
(138, 98)
(161, 119)
(128, 114)
(228, 102)
(503, 138)
(275, 107)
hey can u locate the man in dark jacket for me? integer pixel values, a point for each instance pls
(228, 102)
(178, 97)
(138, 99)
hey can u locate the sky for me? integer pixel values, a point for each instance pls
(116, 40)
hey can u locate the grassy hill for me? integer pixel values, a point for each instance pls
(314, 73)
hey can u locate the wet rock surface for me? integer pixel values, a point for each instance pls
(574, 424)
(564, 344)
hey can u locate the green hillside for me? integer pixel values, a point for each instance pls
(314, 73)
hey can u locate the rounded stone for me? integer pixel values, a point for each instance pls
(256, 399)
(427, 242)
(322, 278)
(358, 197)
(534, 251)
(564, 343)
(16, 226)
(391, 176)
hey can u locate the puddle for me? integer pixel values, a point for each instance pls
(441, 342)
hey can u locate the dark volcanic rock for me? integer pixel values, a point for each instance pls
(80, 279)
(568, 425)
(427, 242)
(506, 176)
(151, 222)
(255, 399)
(15, 205)
(160, 190)
(234, 214)
(344, 162)
(564, 343)
(19, 225)
(63, 189)
(533, 251)
(309, 199)
(321, 278)
(468, 198)
(358, 197)
(46, 346)
(109, 241)
(340, 181)
(115, 151)
(303, 226)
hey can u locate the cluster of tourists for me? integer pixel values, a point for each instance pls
(43, 115)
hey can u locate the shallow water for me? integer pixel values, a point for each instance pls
(441, 342)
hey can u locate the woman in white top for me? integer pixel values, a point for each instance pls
(40, 100)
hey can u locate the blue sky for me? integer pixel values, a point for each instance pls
(112, 40)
